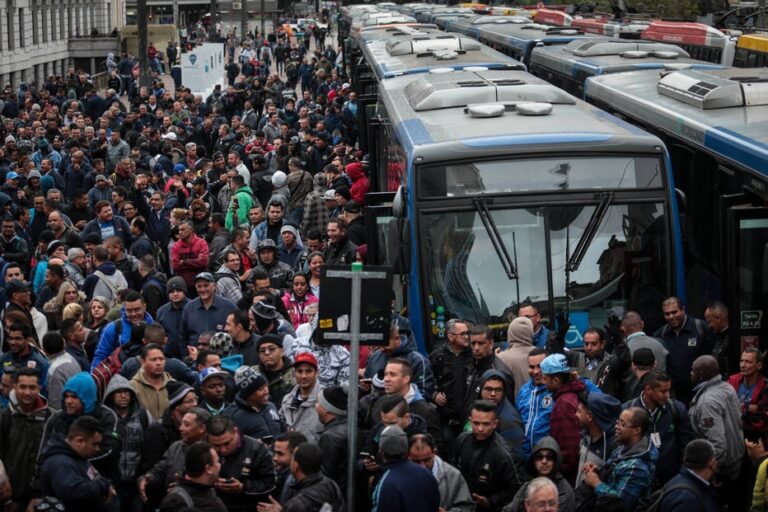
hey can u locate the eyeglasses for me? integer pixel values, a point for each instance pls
(544, 456)
(493, 391)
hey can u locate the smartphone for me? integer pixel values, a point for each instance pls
(366, 455)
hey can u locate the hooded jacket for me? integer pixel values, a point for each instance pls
(20, 436)
(315, 211)
(71, 478)
(510, 425)
(422, 370)
(300, 185)
(301, 416)
(535, 404)
(83, 386)
(110, 339)
(716, 416)
(472, 382)
(244, 197)
(360, 184)
(628, 474)
(565, 496)
(154, 400)
(564, 426)
(130, 429)
(520, 345)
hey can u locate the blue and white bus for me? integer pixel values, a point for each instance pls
(505, 190)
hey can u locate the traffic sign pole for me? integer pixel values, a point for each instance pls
(354, 366)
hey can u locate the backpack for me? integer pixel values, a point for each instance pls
(112, 288)
(110, 366)
(653, 502)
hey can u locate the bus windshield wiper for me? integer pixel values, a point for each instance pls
(589, 232)
(493, 233)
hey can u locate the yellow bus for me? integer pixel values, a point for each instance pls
(752, 51)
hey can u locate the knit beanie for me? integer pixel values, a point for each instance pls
(334, 400)
(248, 381)
(605, 409)
(176, 393)
(83, 386)
(520, 331)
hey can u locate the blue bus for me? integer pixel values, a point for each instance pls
(504, 190)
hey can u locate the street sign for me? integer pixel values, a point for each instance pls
(335, 308)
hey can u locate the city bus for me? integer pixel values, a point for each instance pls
(751, 51)
(714, 124)
(505, 190)
(470, 26)
(568, 66)
(701, 41)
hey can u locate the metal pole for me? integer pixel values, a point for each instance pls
(243, 20)
(354, 364)
(212, 29)
(263, 22)
(141, 8)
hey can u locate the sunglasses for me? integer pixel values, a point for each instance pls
(544, 456)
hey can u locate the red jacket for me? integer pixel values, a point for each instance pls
(189, 259)
(360, 184)
(564, 427)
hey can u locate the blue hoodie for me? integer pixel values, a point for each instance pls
(109, 340)
(83, 385)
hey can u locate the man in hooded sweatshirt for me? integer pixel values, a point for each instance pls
(520, 339)
(493, 386)
(545, 461)
(67, 471)
(80, 399)
(132, 422)
(240, 204)
(597, 414)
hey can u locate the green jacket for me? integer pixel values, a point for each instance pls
(244, 197)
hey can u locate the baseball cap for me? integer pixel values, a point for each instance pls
(12, 176)
(305, 358)
(393, 441)
(179, 168)
(169, 136)
(205, 276)
(209, 373)
(330, 195)
(100, 177)
(556, 363)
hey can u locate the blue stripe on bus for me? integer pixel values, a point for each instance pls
(416, 71)
(744, 150)
(677, 236)
(535, 138)
(631, 128)
(411, 133)
(596, 69)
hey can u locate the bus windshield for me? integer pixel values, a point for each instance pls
(461, 179)
(624, 266)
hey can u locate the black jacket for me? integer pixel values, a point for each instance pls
(489, 469)
(252, 465)
(333, 443)
(69, 477)
(202, 496)
(341, 253)
(310, 494)
(450, 371)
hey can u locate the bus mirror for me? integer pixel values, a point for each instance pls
(682, 201)
(400, 245)
(398, 203)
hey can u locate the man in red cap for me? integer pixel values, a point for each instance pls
(298, 407)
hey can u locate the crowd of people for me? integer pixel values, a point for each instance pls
(160, 266)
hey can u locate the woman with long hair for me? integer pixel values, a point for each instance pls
(315, 261)
(53, 309)
(96, 320)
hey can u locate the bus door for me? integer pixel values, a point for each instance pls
(746, 277)
(368, 123)
(388, 237)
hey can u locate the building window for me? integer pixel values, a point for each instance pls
(34, 10)
(9, 9)
(21, 28)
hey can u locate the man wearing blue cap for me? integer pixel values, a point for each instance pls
(563, 425)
